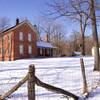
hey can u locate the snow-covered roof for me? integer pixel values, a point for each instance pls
(77, 53)
(44, 44)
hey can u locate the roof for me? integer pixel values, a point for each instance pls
(16, 26)
(10, 28)
(43, 44)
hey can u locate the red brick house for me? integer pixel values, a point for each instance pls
(19, 41)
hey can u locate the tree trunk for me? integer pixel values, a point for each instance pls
(95, 36)
(82, 37)
(85, 87)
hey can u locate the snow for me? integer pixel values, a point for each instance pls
(62, 72)
(77, 53)
(44, 44)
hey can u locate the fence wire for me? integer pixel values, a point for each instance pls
(65, 74)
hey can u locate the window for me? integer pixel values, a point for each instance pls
(40, 51)
(30, 49)
(21, 49)
(21, 36)
(30, 37)
(48, 51)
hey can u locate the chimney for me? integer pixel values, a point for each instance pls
(47, 38)
(17, 21)
(38, 35)
(35, 26)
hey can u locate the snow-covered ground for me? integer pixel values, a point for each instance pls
(61, 72)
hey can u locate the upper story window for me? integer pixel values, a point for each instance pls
(29, 37)
(21, 36)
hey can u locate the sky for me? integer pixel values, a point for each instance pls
(22, 9)
(32, 10)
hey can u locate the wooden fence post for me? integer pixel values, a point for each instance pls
(85, 87)
(31, 83)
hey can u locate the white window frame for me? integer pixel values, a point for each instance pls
(30, 49)
(21, 49)
(21, 36)
(29, 37)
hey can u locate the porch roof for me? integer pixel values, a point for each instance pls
(43, 44)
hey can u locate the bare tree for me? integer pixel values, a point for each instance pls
(95, 35)
(75, 40)
(55, 34)
(88, 44)
(4, 23)
(77, 10)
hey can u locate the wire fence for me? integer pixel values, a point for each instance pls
(62, 74)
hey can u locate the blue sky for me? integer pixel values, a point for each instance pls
(31, 9)
(22, 8)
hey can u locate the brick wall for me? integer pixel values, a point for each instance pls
(12, 42)
(8, 44)
(25, 29)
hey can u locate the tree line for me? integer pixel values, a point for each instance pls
(84, 12)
